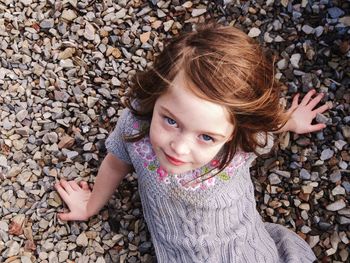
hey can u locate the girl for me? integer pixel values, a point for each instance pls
(195, 122)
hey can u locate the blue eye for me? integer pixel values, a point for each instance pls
(207, 138)
(170, 121)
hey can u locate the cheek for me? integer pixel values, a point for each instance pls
(207, 155)
(157, 134)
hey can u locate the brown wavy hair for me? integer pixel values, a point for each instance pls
(224, 66)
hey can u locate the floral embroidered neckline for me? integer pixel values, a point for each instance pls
(198, 179)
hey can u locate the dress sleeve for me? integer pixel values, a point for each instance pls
(115, 142)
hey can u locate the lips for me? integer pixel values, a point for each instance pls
(173, 160)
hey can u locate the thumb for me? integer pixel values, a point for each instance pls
(317, 127)
(65, 216)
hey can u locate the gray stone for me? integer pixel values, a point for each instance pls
(308, 29)
(304, 174)
(337, 205)
(274, 179)
(47, 23)
(326, 154)
(320, 118)
(335, 176)
(335, 12)
(339, 144)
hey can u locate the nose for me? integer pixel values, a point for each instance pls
(180, 146)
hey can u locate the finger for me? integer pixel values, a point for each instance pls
(312, 104)
(61, 191)
(84, 185)
(74, 185)
(317, 127)
(65, 216)
(66, 186)
(307, 97)
(322, 109)
(295, 101)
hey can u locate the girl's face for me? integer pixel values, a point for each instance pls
(186, 131)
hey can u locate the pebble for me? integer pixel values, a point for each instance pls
(326, 154)
(254, 32)
(89, 32)
(339, 144)
(335, 176)
(335, 12)
(320, 118)
(282, 64)
(304, 174)
(345, 20)
(198, 12)
(82, 240)
(65, 69)
(26, 2)
(13, 249)
(47, 23)
(294, 60)
(69, 15)
(313, 240)
(274, 179)
(308, 29)
(338, 190)
(168, 25)
(337, 205)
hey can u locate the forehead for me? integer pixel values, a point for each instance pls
(195, 112)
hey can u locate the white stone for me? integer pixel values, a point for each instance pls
(313, 240)
(254, 32)
(282, 64)
(13, 249)
(120, 14)
(68, 14)
(198, 11)
(168, 25)
(115, 81)
(82, 240)
(337, 205)
(26, 2)
(21, 115)
(89, 32)
(294, 60)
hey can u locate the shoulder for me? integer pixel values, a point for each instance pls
(131, 124)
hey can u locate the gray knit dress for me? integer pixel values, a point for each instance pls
(215, 220)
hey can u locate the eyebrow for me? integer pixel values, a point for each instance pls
(208, 133)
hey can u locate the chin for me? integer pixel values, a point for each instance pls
(175, 169)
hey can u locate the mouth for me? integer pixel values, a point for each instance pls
(174, 161)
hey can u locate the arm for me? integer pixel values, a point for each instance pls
(110, 174)
(83, 203)
(301, 115)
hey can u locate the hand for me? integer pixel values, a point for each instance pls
(302, 114)
(76, 197)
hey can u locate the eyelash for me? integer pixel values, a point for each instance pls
(173, 123)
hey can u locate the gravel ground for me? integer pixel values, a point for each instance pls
(64, 68)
